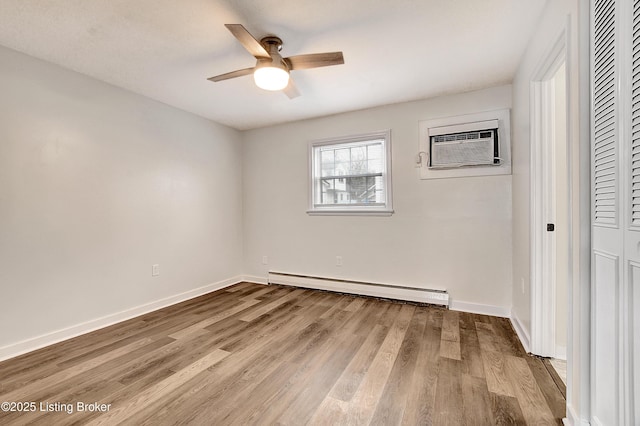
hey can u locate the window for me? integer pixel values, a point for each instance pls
(351, 175)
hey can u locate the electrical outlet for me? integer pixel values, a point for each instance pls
(265, 260)
(338, 260)
(155, 270)
(522, 284)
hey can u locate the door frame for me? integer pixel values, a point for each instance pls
(543, 288)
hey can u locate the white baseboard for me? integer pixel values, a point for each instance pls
(477, 308)
(28, 345)
(561, 352)
(522, 333)
(255, 279)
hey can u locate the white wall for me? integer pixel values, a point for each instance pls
(446, 233)
(96, 185)
(571, 18)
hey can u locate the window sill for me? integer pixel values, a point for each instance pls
(350, 212)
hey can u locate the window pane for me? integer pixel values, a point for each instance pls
(374, 151)
(327, 191)
(358, 153)
(328, 172)
(375, 166)
(379, 189)
(357, 188)
(343, 155)
(327, 157)
(362, 189)
(327, 163)
(352, 190)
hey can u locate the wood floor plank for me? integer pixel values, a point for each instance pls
(506, 410)
(450, 341)
(534, 405)
(476, 401)
(507, 336)
(366, 398)
(390, 409)
(315, 306)
(555, 375)
(263, 309)
(495, 373)
(350, 380)
(470, 352)
(355, 304)
(239, 287)
(553, 394)
(371, 312)
(276, 319)
(255, 354)
(487, 338)
(420, 405)
(214, 319)
(337, 304)
(252, 295)
(492, 336)
(331, 412)
(449, 403)
(388, 317)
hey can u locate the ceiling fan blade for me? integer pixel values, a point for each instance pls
(232, 74)
(248, 41)
(314, 60)
(291, 90)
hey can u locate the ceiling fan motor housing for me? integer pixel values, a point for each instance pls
(273, 45)
(270, 41)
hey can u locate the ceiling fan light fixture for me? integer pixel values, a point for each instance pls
(271, 71)
(271, 77)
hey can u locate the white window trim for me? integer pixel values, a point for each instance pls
(356, 210)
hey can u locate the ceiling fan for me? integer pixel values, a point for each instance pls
(271, 71)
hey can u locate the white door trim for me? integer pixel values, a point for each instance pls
(543, 289)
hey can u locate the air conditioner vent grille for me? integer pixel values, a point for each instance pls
(457, 137)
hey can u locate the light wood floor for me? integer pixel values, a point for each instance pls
(265, 355)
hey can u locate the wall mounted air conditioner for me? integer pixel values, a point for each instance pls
(477, 144)
(464, 145)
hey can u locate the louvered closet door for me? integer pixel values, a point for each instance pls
(606, 215)
(615, 211)
(631, 292)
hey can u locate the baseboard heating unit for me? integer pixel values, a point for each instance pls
(413, 294)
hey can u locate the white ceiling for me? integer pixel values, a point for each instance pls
(395, 50)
